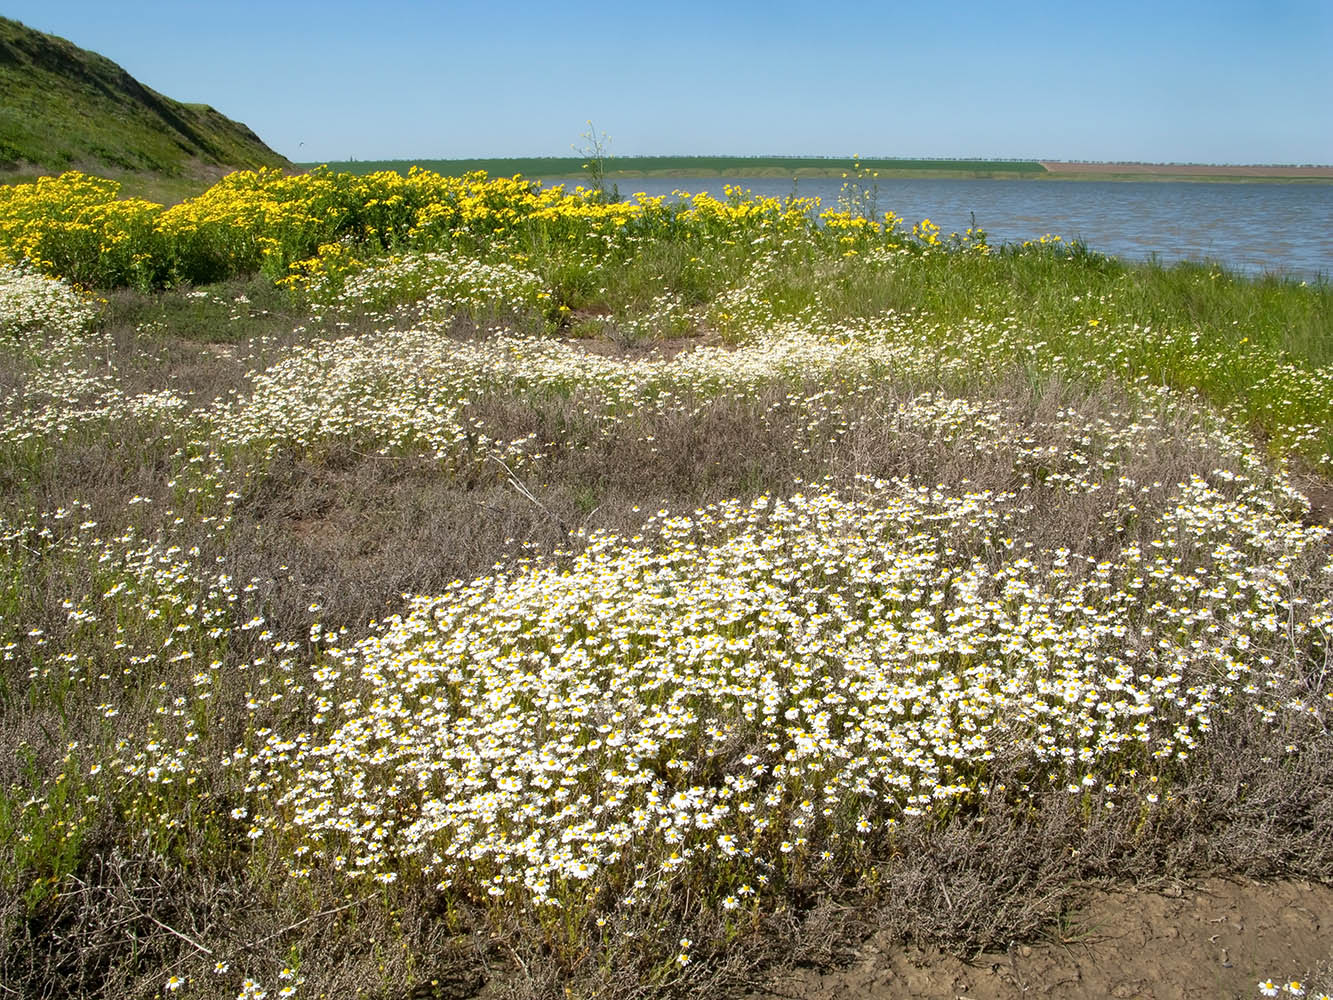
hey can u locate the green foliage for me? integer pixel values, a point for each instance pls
(227, 312)
(46, 830)
(700, 166)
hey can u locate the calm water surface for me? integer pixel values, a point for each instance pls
(1284, 229)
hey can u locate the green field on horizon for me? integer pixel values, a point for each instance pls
(697, 166)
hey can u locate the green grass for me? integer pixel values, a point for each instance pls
(223, 313)
(701, 166)
(1049, 294)
(1259, 349)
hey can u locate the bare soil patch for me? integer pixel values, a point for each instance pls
(1215, 938)
(1319, 492)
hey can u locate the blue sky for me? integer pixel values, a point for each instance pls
(1220, 82)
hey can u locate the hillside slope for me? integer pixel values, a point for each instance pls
(62, 106)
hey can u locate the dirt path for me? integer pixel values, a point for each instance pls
(1216, 939)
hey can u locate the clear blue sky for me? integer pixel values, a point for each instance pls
(1217, 82)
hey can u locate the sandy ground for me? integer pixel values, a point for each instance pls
(1187, 170)
(1214, 939)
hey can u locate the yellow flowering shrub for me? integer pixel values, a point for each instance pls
(76, 226)
(73, 226)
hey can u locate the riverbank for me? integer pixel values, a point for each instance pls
(1197, 172)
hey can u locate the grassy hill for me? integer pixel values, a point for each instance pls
(65, 107)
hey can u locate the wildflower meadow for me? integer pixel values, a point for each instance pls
(414, 586)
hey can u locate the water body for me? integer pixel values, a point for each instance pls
(1280, 229)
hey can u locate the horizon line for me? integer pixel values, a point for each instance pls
(826, 156)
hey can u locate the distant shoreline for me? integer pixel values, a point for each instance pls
(1059, 170)
(631, 167)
